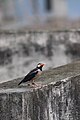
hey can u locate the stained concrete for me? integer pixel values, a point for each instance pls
(57, 99)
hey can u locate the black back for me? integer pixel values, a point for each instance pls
(30, 75)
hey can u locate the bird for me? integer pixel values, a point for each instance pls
(33, 74)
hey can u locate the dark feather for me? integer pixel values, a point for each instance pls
(30, 76)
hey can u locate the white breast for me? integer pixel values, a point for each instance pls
(39, 71)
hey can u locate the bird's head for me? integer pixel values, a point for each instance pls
(40, 65)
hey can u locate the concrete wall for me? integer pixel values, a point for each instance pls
(57, 99)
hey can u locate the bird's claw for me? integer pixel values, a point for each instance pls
(33, 84)
(36, 85)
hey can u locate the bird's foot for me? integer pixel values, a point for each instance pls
(36, 84)
(29, 84)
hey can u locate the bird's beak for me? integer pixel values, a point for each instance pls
(42, 65)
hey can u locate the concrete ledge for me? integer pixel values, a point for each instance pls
(59, 99)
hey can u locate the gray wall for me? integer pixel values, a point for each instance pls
(57, 99)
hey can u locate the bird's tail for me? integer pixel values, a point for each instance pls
(20, 83)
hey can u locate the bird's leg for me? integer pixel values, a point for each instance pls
(35, 84)
(31, 83)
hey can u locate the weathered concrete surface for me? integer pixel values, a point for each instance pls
(58, 99)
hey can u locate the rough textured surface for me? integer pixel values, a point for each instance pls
(58, 99)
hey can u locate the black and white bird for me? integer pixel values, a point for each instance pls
(33, 74)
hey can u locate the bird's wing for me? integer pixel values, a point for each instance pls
(34, 71)
(30, 75)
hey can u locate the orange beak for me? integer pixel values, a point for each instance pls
(42, 65)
